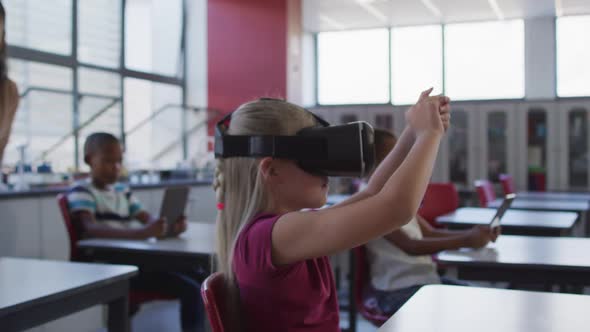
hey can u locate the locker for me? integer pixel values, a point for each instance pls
(574, 167)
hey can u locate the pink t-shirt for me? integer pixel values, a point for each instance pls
(296, 297)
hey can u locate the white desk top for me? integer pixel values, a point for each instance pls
(26, 281)
(198, 239)
(513, 218)
(545, 204)
(467, 309)
(554, 195)
(567, 253)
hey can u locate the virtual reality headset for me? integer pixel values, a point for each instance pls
(343, 150)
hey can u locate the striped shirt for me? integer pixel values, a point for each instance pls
(115, 206)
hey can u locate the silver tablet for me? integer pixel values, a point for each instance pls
(501, 210)
(173, 205)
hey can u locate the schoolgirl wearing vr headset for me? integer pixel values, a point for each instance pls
(274, 159)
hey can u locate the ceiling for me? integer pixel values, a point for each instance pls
(330, 15)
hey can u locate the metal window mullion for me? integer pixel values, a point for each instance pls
(120, 72)
(28, 54)
(99, 67)
(389, 66)
(184, 113)
(152, 77)
(75, 95)
(316, 52)
(444, 60)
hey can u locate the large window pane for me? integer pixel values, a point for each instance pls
(40, 24)
(484, 60)
(99, 105)
(44, 121)
(416, 62)
(153, 30)
(352, 67)
(153, 124)
(573, 52)
(99, 34)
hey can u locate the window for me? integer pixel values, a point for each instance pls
(99, 106)
(484, 60)
(416, 62)
(353, 67)
(40, 24)
(99, 39)
(573, 52)
(45, 90)
(153, 124)
(52, 123)
(153, 31)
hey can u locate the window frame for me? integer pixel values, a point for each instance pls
(72, 62)
(556, 68)
(444, 78)
(317, 73)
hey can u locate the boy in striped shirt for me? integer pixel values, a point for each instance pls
(101, 207)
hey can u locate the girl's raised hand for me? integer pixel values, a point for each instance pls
(425, 116)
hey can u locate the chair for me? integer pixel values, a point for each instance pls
(507, 183)
(215, 297)
(365, 303)
(73, 236)
(485, 192)
(439, 199)
(136, 298)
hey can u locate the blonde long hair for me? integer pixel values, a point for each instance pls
(238, 183)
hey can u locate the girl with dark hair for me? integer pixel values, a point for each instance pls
(8, 90)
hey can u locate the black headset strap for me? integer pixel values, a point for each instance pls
(290, 147)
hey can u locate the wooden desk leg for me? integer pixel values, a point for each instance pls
(118, 316)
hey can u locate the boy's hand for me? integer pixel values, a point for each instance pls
(478, 237)
(180, 226)
(155, 228)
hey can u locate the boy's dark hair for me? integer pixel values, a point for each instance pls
(381, 148)
(95, 142)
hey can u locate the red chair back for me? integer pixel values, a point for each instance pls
(439, 199)
(507, 184)
(485, 192)
(215, 297)
(73, 236)
(366, 305)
